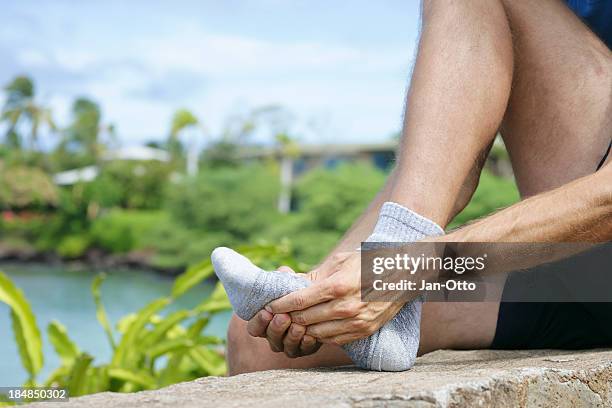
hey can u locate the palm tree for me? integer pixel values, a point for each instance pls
(289, 151)
(277, 120)
(82, 141)
(182, 121)
(21, 107)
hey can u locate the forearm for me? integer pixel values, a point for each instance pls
(580, 211)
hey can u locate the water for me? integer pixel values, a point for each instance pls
(62, 294)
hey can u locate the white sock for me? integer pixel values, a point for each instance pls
(393, 347)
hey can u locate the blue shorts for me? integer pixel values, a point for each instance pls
(597, 14)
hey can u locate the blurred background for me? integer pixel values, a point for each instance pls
(137, 136)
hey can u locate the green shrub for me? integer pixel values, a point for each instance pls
(311, 247)
(151, 348)
(238, 201)
(73, 246)
(130, 184)
(333, 199)
(70, 219)
(328, 202)
(176, 246)
(26, 226)
(26, 187)
(492, 194)
(120, 230)
(113, 236)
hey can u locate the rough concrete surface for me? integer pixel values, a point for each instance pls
(444, 378)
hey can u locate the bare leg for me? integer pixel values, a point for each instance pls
(559, 119)
(460, 88)
(459, 92)
(247, 354)
(557, 127)
(459, 95)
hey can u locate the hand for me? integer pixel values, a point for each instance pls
(331, 309)
(281, 333)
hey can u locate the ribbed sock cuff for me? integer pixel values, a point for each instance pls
(397, 223)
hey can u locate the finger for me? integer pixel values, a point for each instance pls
(341, 339)
(309, 345)
(258, 325)
(333, 328)
(285, 268)
(291, 342)
(301, 299)
(276, 331)
(332, 310)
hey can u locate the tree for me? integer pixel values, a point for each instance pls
(277, 121)
(26, 187)
(82, 142)
(21, 109)
(289, 151)
(182, 121)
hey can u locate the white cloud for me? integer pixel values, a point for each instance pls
(357, 89)
(32, 57)
(221, 55)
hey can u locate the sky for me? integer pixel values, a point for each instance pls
(341, 67)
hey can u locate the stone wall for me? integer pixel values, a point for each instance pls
(444, 378)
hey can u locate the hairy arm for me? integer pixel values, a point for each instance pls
(580, 211)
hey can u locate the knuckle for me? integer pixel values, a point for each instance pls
(353, 309)
(344, 311)
(348, 309)
(298, 317)
(339, 289)
(295, 333)
(299, 301)
(361, 325)
(336, 341)
(313, 332)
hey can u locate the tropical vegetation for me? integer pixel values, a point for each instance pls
(152, 347)
(168, 214)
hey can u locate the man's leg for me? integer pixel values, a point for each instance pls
(557, 128)
(459, 91)
(456, 102)
(457, 98)
(559, 119)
